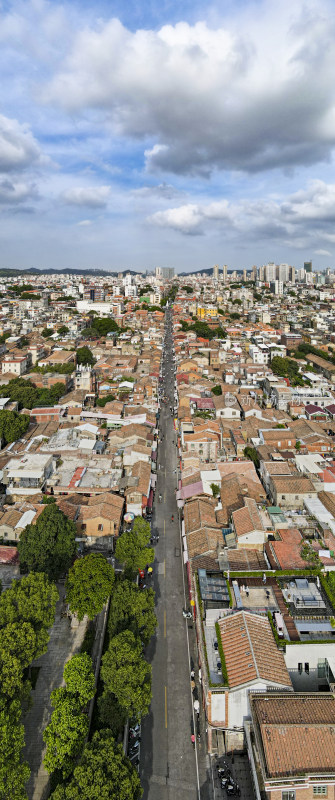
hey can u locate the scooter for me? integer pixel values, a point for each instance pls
(187, 614)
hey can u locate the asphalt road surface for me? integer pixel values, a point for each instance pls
(170, 767)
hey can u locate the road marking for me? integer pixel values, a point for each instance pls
(164, 495)
(164, 624)
(165, 708)
(164, 527)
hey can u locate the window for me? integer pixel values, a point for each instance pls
(300, 667)
(320, 790)
(100, 527)
(307, 667)
(288, 795)
(83, 527)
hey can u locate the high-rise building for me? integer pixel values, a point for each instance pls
(276, 287)
(292, 274)
(244, 275)
(216, 272)
(308, 266)
(166, 273)
(283, 272)
(270, 272)
(224, 273)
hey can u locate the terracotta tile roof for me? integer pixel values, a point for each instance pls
(297, 732)
(200, 513)
(292, 485)
(250, 650)
(244, 560)
(247, 519)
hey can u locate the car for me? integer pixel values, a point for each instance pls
(219, 667)
(216, 647)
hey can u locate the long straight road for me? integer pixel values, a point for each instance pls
(169, 763)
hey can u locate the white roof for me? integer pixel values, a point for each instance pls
(88, 427)
(26, 519)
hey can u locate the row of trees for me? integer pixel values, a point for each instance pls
(68, 728)
(27, 611)
(287, 368)
(28, 396)
(203, 330)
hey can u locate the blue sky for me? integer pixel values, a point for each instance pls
(136, 134)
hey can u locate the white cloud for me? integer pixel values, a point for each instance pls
(16, 192)
(18, 148)
(84, 223)
(91, 196)
(253, 94)
(305, 217)
(322, 252)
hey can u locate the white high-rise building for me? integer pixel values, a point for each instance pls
(283, 273)
(270, 272)
(216, 272)
(224, 273)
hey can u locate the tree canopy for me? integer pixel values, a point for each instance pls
(13, 425)
(47, 332)
(132, 546)
(103, 773)
(125, 672)
(89, 583)
(133, 609)
(28, 396)
(217, 389)
(85, 356)
(32, 599)
(13, 773)
(287, 368)
(49, 545)
(68, 727)
(251, 453)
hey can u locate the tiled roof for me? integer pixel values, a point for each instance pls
(247, 519)
(293, 485)
(297, 732)
(250, 650)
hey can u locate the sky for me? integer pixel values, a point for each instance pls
(149, 133)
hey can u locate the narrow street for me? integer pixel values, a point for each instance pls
(170, 767)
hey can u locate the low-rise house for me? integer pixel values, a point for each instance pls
(137, 489)
(253, 663)
(27, 475)
(16, 365)
(99, 522)
(291, 491)
(248, 525)
(292, 751)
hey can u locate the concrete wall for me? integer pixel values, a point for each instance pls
(309, 654)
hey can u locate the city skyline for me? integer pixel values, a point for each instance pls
(182, 134)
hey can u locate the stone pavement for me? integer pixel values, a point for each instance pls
(64, 642)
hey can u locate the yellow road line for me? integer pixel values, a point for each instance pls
(164, 527)
(165, 708)
(164, 624)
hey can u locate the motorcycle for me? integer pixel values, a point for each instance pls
(187, 614)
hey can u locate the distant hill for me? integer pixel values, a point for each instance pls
(12, 273)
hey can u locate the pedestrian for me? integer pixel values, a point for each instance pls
(192, 674)
(196, 706)
(199, 675)
(193, 739)
(247, 591)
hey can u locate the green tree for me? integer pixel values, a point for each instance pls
(47, 332)
(17, 647)
(215, 489)
(217, 389)
(14, 773)
(110, 713)
(104, 325)
(65, 734)
(133, 609)
(102, 774)
(101, 401)
(63, 330)
(127, 675)
(89, 583)
(32, 599)
(85, 356)
(79, 678)
(298, 445)
(132, 546)
(13, 426)
(49, 545)
(252, 454)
